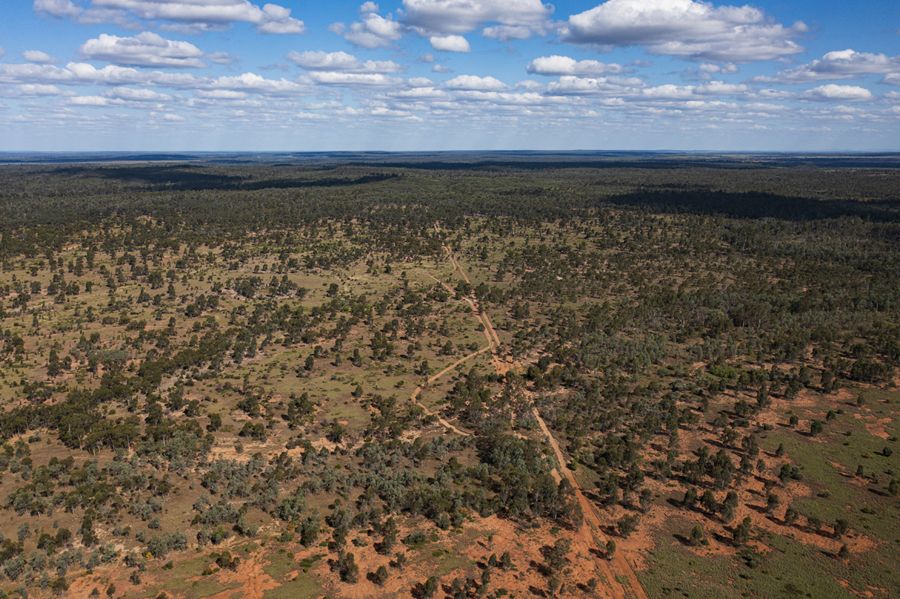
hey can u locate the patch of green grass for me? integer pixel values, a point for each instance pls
(789, 570)
(186, 579)
(308, 562)
(304, 586)
(826, 463)
(444, 561)
(586, 477)
(279, 563)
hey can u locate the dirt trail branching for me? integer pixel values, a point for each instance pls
(436, 377)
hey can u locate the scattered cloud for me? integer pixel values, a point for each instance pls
(513, 19)
(137, 95)
(474, 82)
(73, 73)
(340, 61)
(351, 79)
(420, 93)
(450, 43)
(686, 28)
(341, 68)
(221, 94)
(96, 101)
(505, 99)
(569, 85)
(251, 82)
(711, 68)
(36, 56)
(505, 33)
(135, 67)
(721, 88)
(80, 74)
(145, 49)
(687, 92)
(58, 8)
(194, 14)
(563, 65)
(839, 92)
(840, 64)
(221, 58)
(39, 89)
(372, 30)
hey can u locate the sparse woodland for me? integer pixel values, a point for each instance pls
(298, 381)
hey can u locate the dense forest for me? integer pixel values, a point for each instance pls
(449, 379)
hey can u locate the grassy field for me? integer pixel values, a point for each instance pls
(785, 567)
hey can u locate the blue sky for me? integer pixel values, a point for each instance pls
(449, 74)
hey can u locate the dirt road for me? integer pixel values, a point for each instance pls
(618, 568)
(592, 519)
(434, 378)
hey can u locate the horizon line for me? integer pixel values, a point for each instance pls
(463, 151)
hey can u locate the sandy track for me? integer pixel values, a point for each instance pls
(458, 363)
(590, 529)
(592, 524)
(434, 378)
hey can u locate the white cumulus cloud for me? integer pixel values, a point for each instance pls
(685, 28)
(145, 49)
(686, 92)
(58, 8)
(372, 30)
(251, 82)
(833, 91)
(96, 101)
(514, 18)
(36, 56)
(198, 14)
(449, 43)
(340, 61)
(841, 64)
(569, 85)
(474, 82)
(39, 89)
(131, 94)
(351, 79)
(710, 68)
(563, 65)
